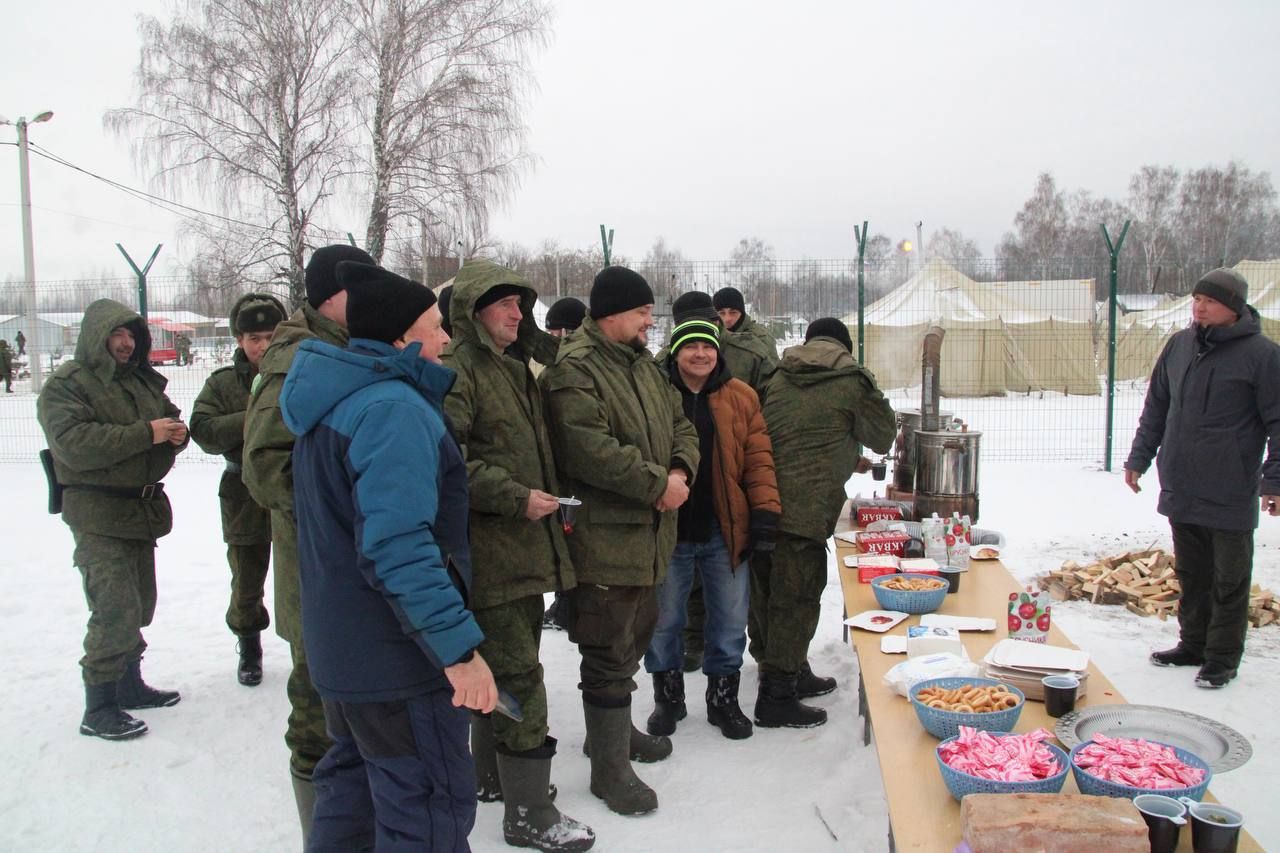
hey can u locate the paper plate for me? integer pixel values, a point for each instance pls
(1221, 747)
(876, 620)
(984, 552)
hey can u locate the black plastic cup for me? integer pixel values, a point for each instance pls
(878, 469)
(1214, 828)
(1165, 818)
(1059, 694)
(952, 575)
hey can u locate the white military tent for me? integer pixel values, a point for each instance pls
(1001, 336)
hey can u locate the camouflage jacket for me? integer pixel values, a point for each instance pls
(751, 354)
(96, 417)
(217, 426)
(820, 406)
(268, 444)
(618, 428)
(496, 413)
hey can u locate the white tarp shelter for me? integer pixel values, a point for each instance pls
(1015, 336)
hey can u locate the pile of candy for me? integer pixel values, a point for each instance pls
(1137, 763)
(1004, 758)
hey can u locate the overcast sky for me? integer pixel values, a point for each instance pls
(705, 122)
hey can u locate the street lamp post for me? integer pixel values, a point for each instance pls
(28, 250)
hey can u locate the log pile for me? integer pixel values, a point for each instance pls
(1144, 583)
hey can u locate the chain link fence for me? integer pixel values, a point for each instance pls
(1025, 357)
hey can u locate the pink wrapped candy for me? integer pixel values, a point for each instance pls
(1137, 763)
(1003, 758)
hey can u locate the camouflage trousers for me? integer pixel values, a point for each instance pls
(119, 577)
(786, 600)
(512, 638)
(306, 737)
(612, 626)
(246, 613)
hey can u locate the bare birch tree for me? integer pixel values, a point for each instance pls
(1153, 198)
(440, 91)
(247, 101)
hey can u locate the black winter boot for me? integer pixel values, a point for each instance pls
(529, 818)
(103, 717)
(809, 685)
(668, 703)
(778, 705)
(484, 755)
(647, 749)
(612, 778)
(722, 706)
(135, 693)
(304, 797)
(1179, 655)
(249, 672)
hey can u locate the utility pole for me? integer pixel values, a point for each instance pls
(28, 248)
(426, 264)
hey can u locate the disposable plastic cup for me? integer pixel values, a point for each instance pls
(1059, 694)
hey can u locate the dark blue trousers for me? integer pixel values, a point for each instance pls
(399, 777)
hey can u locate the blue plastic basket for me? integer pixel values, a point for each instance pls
(1090, 784)
(960, 783)
(909, 601)
(946, 724)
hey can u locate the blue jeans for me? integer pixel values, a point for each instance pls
(726, 593)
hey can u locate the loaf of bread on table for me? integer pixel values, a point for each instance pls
(1052, 823)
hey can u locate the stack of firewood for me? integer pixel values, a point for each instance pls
(1144, 582)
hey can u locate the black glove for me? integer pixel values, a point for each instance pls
(764, 532)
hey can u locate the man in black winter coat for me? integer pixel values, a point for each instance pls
(1212, 408)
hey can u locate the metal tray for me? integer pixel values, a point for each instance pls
(1222, 747)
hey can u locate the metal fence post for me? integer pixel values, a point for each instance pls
(861, 236)
(142, 277)
(606, 243)
(1111, 337)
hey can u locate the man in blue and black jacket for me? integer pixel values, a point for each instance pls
(381, 501)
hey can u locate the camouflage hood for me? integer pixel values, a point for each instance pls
(818, 360)
(474, 280)
(101, 318)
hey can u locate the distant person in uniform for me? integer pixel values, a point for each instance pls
(1212, 409)
(6, 366)
(114, 435)
(183, 345)
(217, 425)
(21, 340)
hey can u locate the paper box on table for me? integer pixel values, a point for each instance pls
(885, 542)
(872, 566)
(919, 566)
(864, 515)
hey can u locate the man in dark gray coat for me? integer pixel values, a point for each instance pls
(1212, 408)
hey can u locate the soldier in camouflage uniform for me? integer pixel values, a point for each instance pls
(268, 474)
(217, 425)
(820, 406)
(624, 447)
(114, 434)
(518, 550)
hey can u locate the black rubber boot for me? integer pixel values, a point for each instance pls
(779, 706)
(612, 778)
(249, 672)
(809, 685)
(529, 818)
(723, 710)
(1179, 655)
(304, 797)
(103, 717)
(134, 693)
(668, 703)
(1214, 675)
(646, 749)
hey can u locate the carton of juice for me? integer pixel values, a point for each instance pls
(1029, 615)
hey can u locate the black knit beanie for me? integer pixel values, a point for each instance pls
(256, 312)
(694, 328)
(320, 279)
(729, 297)
(829, 327)
(381, 305)
(618, 289)
(498, 292)
(694, 300)
(1225, 285)
(566, 313)
(446, 298)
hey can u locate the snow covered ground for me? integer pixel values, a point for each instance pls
(212, 773)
